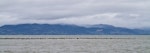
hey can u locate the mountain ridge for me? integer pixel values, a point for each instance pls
(64, 29)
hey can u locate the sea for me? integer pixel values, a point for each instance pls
(74, 43)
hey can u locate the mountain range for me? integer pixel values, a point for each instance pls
(62, 29)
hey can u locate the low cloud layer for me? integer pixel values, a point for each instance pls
(122, 13)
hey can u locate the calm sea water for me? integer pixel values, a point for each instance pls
(135, 44)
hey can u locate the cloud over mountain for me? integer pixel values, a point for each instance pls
(122, 13)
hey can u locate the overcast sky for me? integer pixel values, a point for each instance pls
(122, 13)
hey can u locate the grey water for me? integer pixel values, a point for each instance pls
(84, 44)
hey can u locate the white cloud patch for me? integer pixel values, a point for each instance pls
(122, 13)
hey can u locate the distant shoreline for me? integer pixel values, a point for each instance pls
(67, 38)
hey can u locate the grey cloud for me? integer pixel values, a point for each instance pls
(66, 11)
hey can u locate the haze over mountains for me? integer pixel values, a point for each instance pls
(60, 29)
(74, 17)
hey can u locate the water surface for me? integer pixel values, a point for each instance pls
(106, 44)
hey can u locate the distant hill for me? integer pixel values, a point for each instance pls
(58, 29)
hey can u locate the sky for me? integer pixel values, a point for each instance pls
(121, 13)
